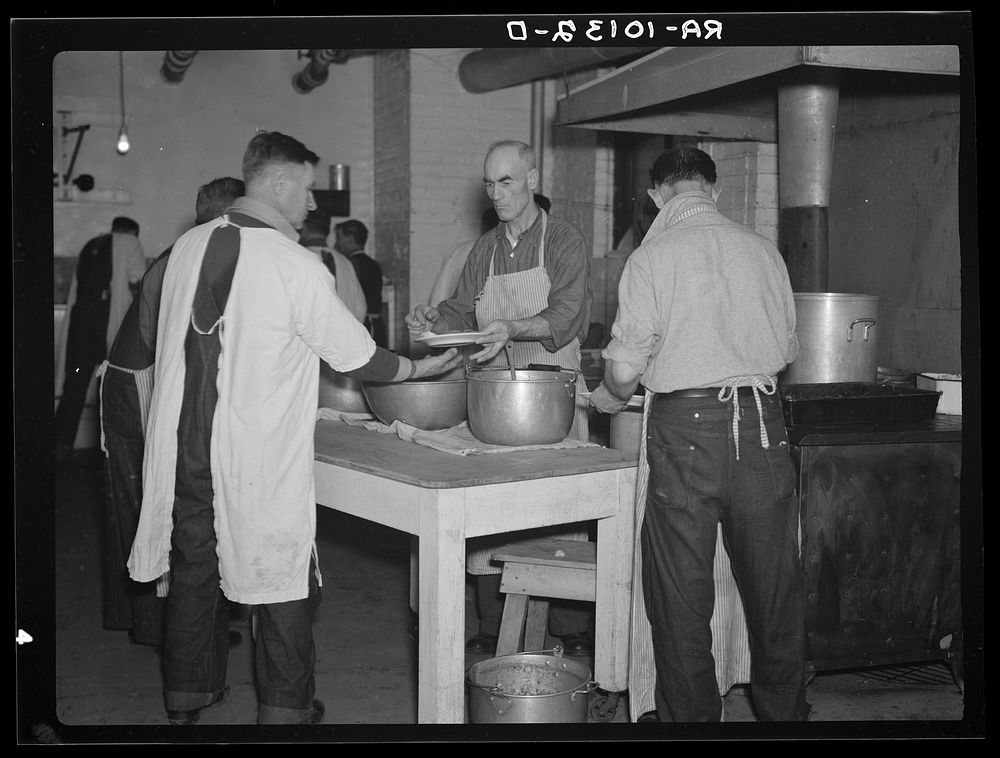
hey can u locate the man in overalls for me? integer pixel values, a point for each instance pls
(526, 282)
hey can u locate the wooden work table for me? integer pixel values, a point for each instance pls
(443, 499)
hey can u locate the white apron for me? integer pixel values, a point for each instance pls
(262, 455)
(517, 296)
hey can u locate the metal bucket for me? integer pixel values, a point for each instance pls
(529, 688)
(838, 339)
(536, 407)
(626, 432)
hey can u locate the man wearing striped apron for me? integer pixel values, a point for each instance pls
(706, 321)
(527, 283)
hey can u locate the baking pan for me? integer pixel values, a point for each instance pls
(855, 403)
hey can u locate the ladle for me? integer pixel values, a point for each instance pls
(509, 348)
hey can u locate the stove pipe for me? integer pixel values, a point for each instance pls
(807, 115)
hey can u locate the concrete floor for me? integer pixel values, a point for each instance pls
(366, 664)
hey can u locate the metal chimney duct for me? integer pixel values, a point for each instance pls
(807, 117)
(496, 68)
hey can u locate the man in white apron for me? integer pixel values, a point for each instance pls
(527, 283)
(706, 321)
(229, 496)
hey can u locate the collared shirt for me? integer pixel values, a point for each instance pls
(702, 299)
(566, 261)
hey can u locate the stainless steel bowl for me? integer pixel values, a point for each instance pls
(430, 404)
(340, 392)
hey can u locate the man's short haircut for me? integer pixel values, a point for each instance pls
(215, 197)
(682, 164)
(125, 224)
(355, 229)
(270, 148)
(524, 151)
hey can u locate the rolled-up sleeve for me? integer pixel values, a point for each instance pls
(568, 265)
(634, 333)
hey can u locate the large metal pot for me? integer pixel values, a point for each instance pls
(340, 392)
(430, 404)
(529, 688)
(535, 407)
(838, 339)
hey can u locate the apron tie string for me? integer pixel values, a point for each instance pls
(730, 391)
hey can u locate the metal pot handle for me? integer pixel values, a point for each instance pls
(495, 695)
(571, 383)
(587, 688)
(868, 322)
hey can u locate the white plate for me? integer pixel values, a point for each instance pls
(454, 339)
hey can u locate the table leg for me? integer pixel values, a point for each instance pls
(615, 546)
(441, 656)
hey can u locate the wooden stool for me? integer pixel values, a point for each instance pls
(533, 572)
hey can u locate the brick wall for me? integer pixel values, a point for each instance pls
(748, 176)
(392, 169)
(449, 132)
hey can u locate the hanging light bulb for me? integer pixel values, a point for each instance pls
(123, 144)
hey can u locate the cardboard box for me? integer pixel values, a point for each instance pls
(950, 387)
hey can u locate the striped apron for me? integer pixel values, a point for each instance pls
(143, 378)
(517, 296)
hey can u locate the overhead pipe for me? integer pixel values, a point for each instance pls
(496, 68)
(538, 128)
(807, 119)
(176, 64)
(316, 72)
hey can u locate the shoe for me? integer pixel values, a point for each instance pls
(577, 645)
(186, 718)
(648, 716)
(318, 709)
(414, 631)
(482, 644)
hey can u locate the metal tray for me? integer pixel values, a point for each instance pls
(855, 403)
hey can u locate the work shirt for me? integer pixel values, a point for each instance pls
(135, 344)
(702, 300)
(348, 286)
(281, 317)
(369, 274)
(566, 261)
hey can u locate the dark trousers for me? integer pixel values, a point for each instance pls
(565, 616)
(196, 644)
(695, 481)
(126, 604)
(196, 647)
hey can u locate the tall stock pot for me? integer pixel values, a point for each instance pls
(838, 338)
